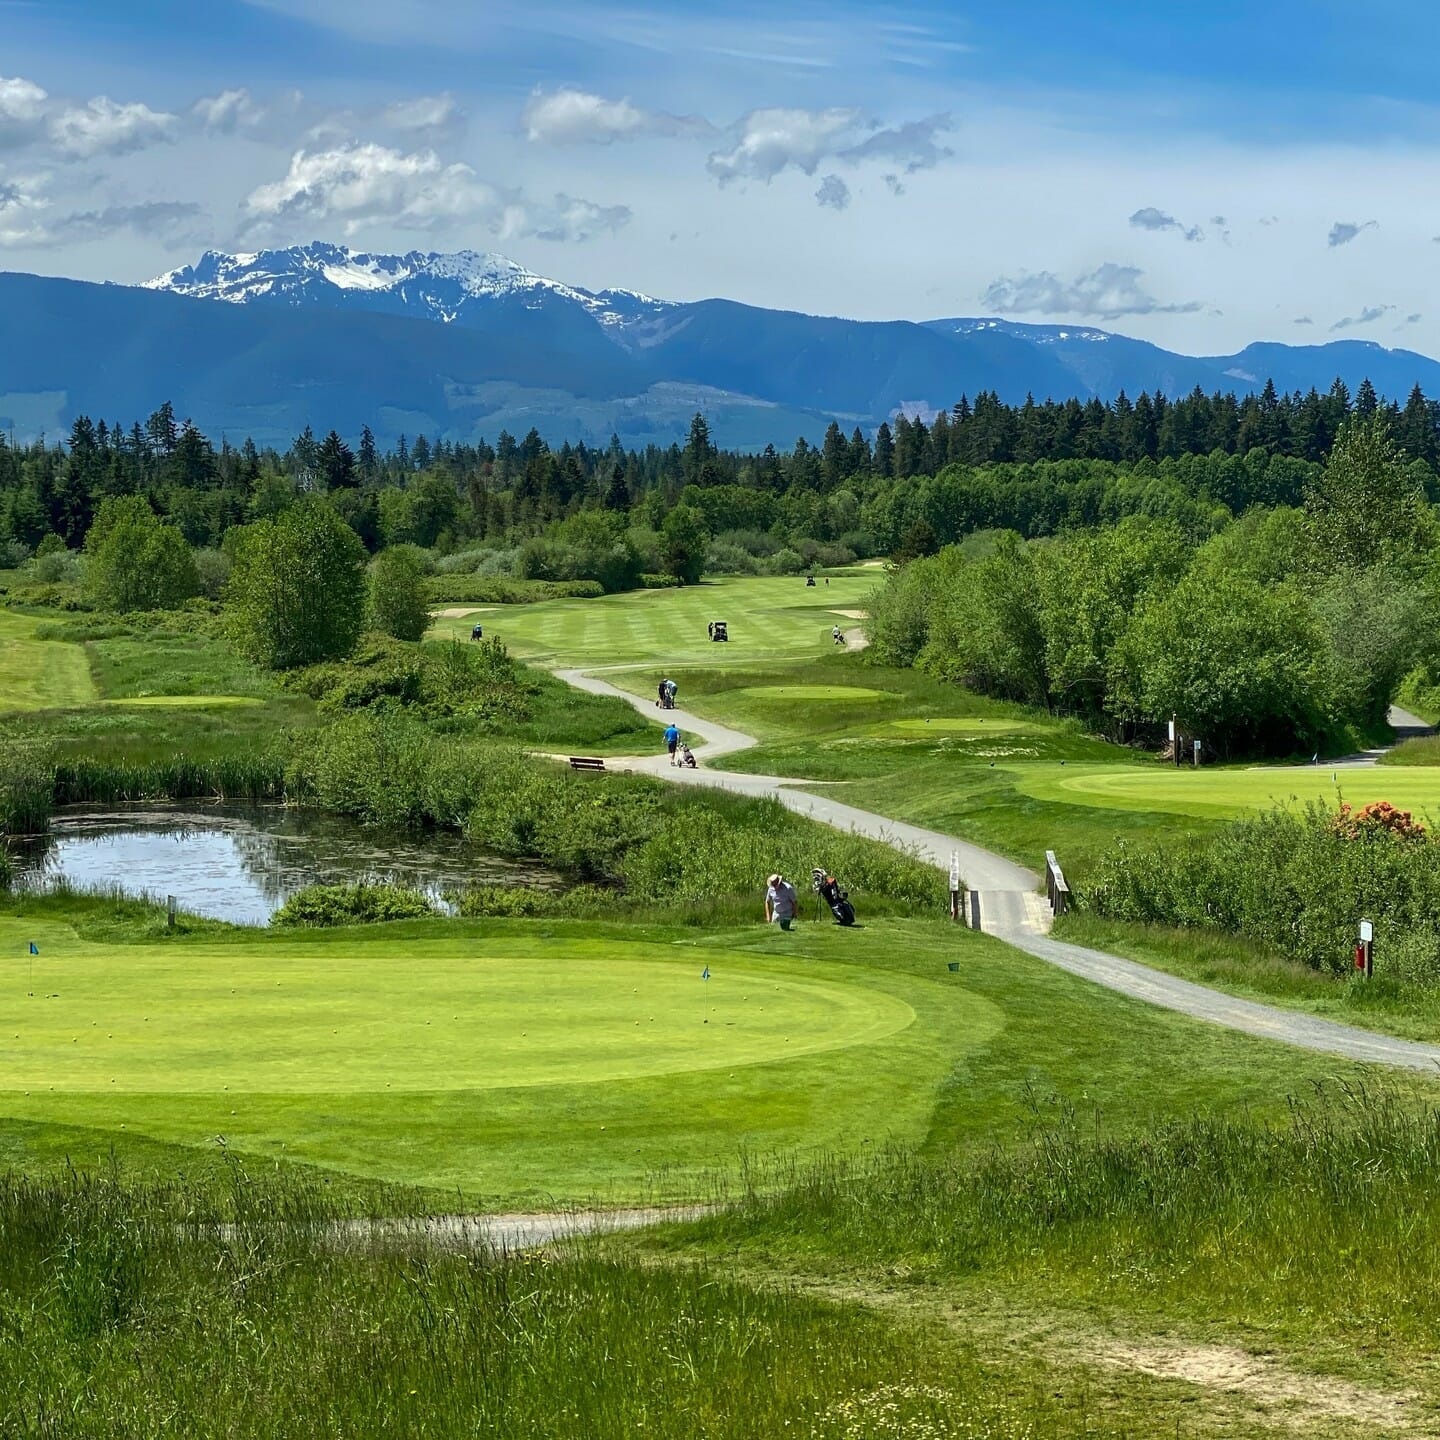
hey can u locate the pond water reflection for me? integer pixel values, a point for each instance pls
(241, 863)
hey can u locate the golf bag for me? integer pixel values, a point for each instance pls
(828, 889)
(687, 757)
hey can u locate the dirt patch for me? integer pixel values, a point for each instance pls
(1305, 1399)
(851, 614)
(459, 612)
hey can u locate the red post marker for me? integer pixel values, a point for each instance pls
(1360, 957)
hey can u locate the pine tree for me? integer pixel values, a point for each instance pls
(369, 458)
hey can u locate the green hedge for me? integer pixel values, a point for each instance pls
(491, 590)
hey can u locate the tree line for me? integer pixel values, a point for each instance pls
(1288, 629)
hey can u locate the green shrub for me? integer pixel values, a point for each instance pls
(1298, 882)
(360, 904)
(395, 593)
(494, 590)
(660, 582)
(528, 901)
(135, 561)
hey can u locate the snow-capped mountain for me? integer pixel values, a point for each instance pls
(469, 344)
(423, 285)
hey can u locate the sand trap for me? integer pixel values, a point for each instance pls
(852, 614)
(459, 612)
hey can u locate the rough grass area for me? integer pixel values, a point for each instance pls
(1208, 1233)
(134, 1312)
(1241, 966)
(40, 674)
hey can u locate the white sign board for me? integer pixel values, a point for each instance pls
(1367, 932)
(1172, 731)
(955, 871)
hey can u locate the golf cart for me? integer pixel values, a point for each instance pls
(718, 630)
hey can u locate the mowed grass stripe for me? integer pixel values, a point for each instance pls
(768, 619)
(40, 674)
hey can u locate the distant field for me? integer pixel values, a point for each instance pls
(768, 619)
(40, 674)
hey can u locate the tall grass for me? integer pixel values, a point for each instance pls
(257, 775)
(261, 1312)
(1331, 1220)
(659, 843)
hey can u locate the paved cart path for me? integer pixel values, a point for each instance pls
(1010, 907)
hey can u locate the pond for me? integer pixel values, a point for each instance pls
(241, 862)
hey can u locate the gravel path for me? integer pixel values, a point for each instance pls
(1010, 908)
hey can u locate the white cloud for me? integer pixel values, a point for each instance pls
(359, 185)
(227, 112)
(104, 128)
(572, 219)
(1152, 219)
(425, 115)
(1342, 232)
(21, 100)
(833, 192)
(1107, 293)
(912, 145)
(576, 117)
(769, 141)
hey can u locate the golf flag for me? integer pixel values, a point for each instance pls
(705, 974)
(34, 948)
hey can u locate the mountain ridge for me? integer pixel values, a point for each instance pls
(467, 344)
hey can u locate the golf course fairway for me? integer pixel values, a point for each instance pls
(522, 1062)
(1223, 794)
(769, 619)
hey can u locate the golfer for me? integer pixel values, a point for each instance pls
(672, 742)
(780, 902)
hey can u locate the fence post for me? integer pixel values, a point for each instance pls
(170, 912)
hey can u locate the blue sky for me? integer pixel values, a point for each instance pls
(1203, 176)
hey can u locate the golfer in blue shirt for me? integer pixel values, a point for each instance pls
(672, 742)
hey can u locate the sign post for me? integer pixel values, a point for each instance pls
(955, 885)
(1197, 754)
(1365, 953)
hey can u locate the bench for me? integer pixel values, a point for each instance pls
(584, 762)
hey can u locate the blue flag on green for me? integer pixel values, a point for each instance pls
(705, 974)
(34, 948)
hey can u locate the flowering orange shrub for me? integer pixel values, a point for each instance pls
(1374, 820)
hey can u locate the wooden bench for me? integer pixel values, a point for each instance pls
(584, 762)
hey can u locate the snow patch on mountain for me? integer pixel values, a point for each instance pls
(429, 285)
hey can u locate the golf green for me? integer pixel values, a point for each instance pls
(516, 1061)
(973, 725)
(811, 694)
(1224, 793)
(173, 1020)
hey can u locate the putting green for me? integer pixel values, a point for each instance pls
(1223, 794)
(966, 725)
(521, 1062)
(289, 1021)
(40, 674)
(810, 694)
